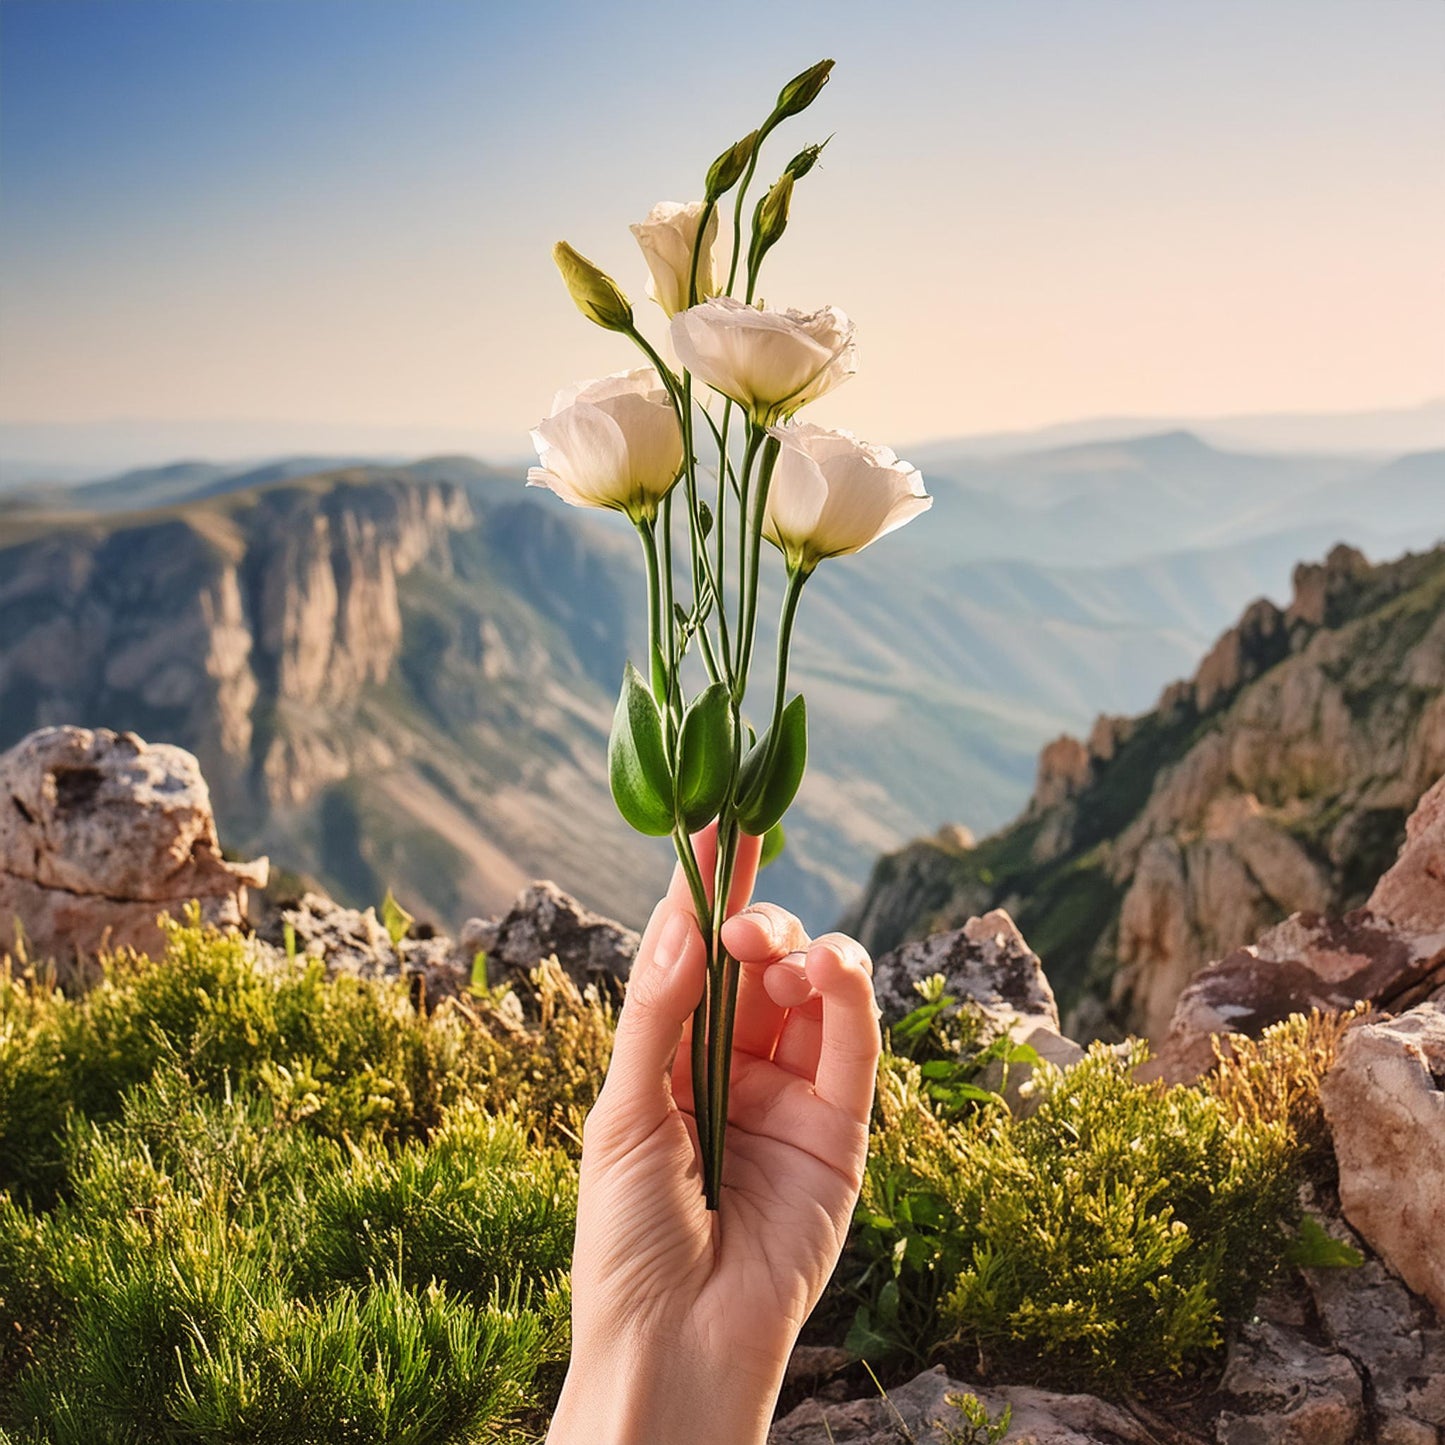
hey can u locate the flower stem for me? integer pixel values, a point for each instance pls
(661, 683)
(701, 1072)
(754, 510)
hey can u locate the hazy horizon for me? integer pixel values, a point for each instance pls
(1036, 212)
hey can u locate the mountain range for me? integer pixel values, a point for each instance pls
(1276, 779)
(404, 675)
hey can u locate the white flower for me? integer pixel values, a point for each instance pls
(667, 236)
(832, 494)
(610, 443)
(771, 362)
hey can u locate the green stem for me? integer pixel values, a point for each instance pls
(707, 211)
(747, 180)
(756, 436)
(723, 1005)
(701, 1074)
(791, 595)
(647, 530)
(753, 531)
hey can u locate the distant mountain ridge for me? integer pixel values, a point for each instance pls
(440, 693)
(1276, 779)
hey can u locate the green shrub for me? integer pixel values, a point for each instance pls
(251, 1203)
(1108, 1236)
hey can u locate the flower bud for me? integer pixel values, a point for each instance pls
(597, 295)
(801, 91)
(723, 174)
(805, 160)
(770, 220)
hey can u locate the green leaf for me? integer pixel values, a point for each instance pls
(762, 800)
(705, 757)
(636, 760)
(395, 919)
(1314, 1248)
(704, 519)
(774, 841)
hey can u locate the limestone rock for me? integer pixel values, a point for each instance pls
(545, 921)
(1304, 963)
(1412, 893)
(100, 833)
(1390, 953)
(986, 962)
(1064, 770)
(1288, 1392)
(1389, 1334)
(1385, 1106)
(922, 1408)
(353, 941)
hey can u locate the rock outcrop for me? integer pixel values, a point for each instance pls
(1384, 1099)
(100, 833)
(1276, 781)
(927, 1409)
(987, 965)
(1390, 953)
(391, 677)
(545, 922)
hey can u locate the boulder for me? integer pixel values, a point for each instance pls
(1412, 893)
(352, 941)
(1369, 1316)
(1286, 1391)
(985, 963)
(100, 833)
(921, 1411)
(545, 922)
(1385, 1107)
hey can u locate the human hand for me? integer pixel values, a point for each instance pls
(684, 1318)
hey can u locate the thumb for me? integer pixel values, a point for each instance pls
(663, 989)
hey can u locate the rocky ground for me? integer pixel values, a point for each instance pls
(99, 833)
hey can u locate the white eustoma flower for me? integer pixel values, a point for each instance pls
(832, 494)
(610, 443)
(771, 362)
(667, 236)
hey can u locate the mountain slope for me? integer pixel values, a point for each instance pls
(405, 675)
(1278, 778)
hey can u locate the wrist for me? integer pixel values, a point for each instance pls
(657, 1390)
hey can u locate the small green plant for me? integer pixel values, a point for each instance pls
(950, 1043)
(975, 1426)
(395, 919)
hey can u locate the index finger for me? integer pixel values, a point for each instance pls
(745, 871)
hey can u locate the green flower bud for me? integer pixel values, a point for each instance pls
(723, 174)
(770, 219)
(597, 295)
(805, 160)
(801, 91)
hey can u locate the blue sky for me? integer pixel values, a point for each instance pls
(341, 210)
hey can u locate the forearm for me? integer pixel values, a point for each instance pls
(644, 1392)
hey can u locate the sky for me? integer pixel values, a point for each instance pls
(279, 213)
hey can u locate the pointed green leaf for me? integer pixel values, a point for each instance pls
(762, 800)
(704, 519)
(705, 757)
(636, 760)
(395, 919)
(774, 841)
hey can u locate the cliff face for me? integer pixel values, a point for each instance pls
(372, 670)
(1278, 778)
(194, 626)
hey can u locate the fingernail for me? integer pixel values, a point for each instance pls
(673, 940)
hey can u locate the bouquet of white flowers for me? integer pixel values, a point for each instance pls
(677, 763)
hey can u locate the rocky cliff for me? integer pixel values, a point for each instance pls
(1276, 779)
(386, 681)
